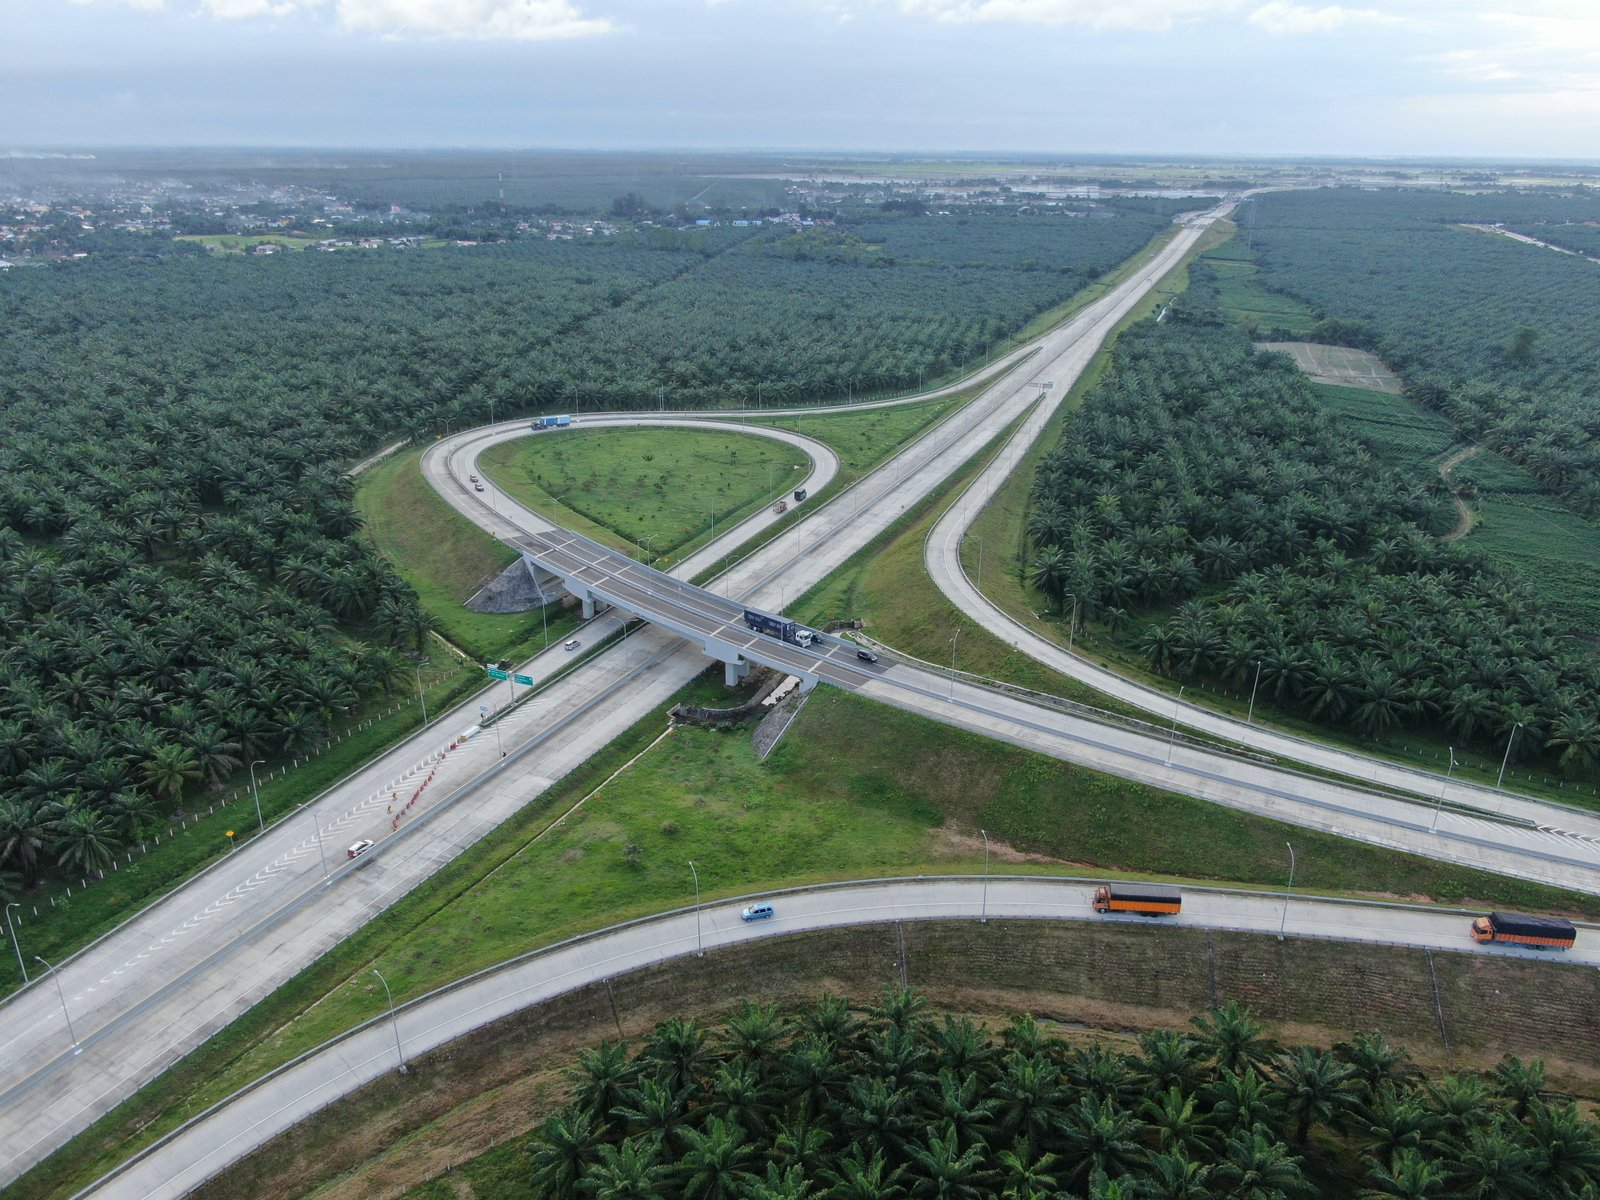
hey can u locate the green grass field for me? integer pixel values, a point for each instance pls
(1403, 434)
(1549, 547)
(864, 439)
(1241, 295)
(239, 243)
(659, 490)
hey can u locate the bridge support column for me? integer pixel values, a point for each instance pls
(588, 606)
(733, 671)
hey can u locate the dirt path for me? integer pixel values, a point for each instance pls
(1465, 517)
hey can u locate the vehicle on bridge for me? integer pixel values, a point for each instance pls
(1146, 899)
(540, 423)
(781, 628)
(1539, 932)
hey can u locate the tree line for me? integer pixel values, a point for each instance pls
(1203, 491)
(830, 1103)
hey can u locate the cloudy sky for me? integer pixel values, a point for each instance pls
(1389, 77)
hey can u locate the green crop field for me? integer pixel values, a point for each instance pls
(239, 243)
(1554, 550)
(1485, 472)
(660, 489)
(1402, 433)
(1232, 271)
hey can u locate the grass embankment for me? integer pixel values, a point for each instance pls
(446, 558)
(186, 846)
(645, 491)
(828, 804)
(864, 439)
(456, 1126)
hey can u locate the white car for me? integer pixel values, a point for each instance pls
(571, 644)
(360, 848)
(477, 487)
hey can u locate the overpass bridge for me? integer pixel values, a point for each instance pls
(598, 575)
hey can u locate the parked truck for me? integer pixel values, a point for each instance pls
(1538, 932)
(540, 423)
(781, 628)
(1147, 899)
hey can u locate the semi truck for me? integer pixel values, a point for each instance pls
(781, 628)
(1519, 930)
(1147, 899)
(540, 423)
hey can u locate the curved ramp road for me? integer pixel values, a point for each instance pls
(942, 554)
(225, 1134)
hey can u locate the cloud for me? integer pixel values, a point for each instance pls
(1154, 15)
(239, 10)
(142, 5)
(480, 20)
(1285, 18)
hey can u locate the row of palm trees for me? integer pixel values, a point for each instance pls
(833, 1103)
(1202, 490)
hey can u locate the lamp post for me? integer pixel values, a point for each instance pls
(953, 643)
(260, 820)
(1172, 737)
(317, 825)
(421, 699)
(699, 946)
(1283, 924)
(1072, 624)
(1507, 757)
(1434, 824)
(1251, 714)
(56, 975)
(983, 913)
(393, 1020)
(16, 945)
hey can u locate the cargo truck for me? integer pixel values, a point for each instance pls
(1539, 932)
(781, 628)
(1147, 899)
(799, 495)
(540, 423)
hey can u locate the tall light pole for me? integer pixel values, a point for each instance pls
(953, 643)
(1072, 625)
(1283, 924)
(1507, 757)
(260, 820)
(1177, 707)
(56, 975)
(983, 913)
(421, 699)
(317, 825)
(1434, 824)
(393, 1020)
(1251, 714)
(16, 945)
(699, 946)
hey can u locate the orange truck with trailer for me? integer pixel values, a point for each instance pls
(1539, 932)
(1147, 899)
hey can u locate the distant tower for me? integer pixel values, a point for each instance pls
(502, 191)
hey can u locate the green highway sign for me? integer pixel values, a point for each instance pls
(524, 680)
(496, 673)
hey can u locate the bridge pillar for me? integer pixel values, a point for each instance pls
(588, 606)
(733, 671)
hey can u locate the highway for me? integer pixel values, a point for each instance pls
(171, 976)
(235, 1127)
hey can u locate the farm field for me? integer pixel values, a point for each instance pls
(1556, 552)
(1341, 366)
(240, 243)
(1401, 433)
(1231, 274)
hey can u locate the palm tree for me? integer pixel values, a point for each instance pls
(1031, 1100)
(1520, 1082)
(1024, 1178)
(26, 827)
(1408, 1176)
(1100, 1135)
(602, 1080)
(1564, 1149)
(1177, 1121)
(1173, 1176)
(1396, 1123)
(631, 1171)
(1233, 1037)
(1241, 1101)
(1255, 1167)
(1376, 1062)
(864, 1179)
(84, 840)
(1490, 1166)
(169, 769)
(565, 1146)
(1316, 1088)
(716, 1163)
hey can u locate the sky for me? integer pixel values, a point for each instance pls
(1413, 78)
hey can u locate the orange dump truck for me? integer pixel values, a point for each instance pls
(1148, 899)
(1538, 932)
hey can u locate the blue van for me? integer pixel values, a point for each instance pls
(757, 912)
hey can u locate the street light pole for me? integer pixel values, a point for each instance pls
(1434, 824)
(1283, 924)
(393, 1020)
(16, 945)
(260, 820)
(56, 975)
(1072, 625)
(699, 945)
(317, 825)
(1251, 714)
(1172, 737)
(421, 699)
(1507, 757)
(953, 643)
(983, 917)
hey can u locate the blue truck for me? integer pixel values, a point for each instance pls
(781, 628)
(540, 423)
